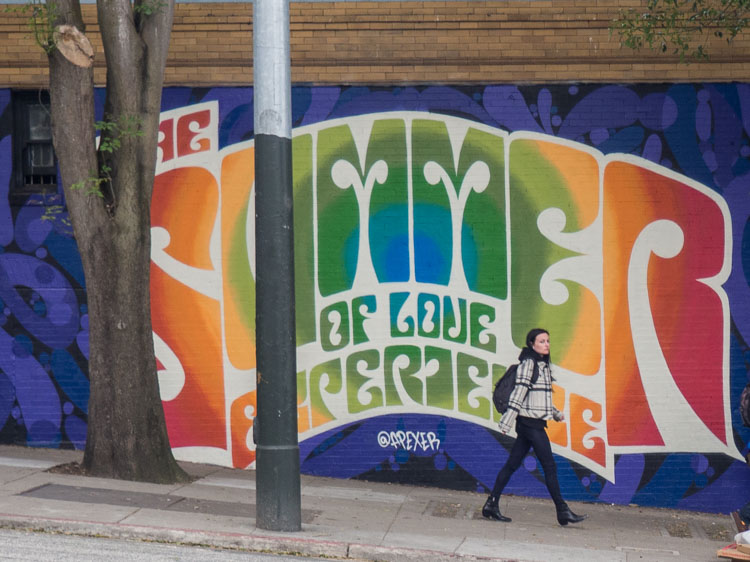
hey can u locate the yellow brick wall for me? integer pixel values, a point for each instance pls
(401, 42)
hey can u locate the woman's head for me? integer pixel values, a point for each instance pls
(538, 340)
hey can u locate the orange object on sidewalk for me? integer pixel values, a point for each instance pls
(732, 552)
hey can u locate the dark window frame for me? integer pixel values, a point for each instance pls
(31, 178)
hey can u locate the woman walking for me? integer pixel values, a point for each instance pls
(529, 408)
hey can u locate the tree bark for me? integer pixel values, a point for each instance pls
(127, 436)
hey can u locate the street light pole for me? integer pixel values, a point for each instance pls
(277, 448)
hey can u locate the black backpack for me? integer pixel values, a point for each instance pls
(505, 385)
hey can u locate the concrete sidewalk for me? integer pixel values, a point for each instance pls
(342, 518)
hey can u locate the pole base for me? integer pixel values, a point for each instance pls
(277, 488)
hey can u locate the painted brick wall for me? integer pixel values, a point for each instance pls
(613, 215)
(401, 42)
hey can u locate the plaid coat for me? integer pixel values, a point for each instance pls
(530, 401)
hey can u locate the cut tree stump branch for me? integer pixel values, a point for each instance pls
(74, 45)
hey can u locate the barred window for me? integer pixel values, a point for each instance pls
(34, 162)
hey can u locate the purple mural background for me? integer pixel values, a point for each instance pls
(699, 130)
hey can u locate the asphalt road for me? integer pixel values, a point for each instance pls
(45, 547)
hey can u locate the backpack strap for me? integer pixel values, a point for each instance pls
(535, 374)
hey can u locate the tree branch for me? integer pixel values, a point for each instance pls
(683, 26)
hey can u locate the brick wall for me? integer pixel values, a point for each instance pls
(401, 42)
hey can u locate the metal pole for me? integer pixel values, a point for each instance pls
(277, 448)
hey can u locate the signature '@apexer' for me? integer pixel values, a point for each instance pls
(409, 440)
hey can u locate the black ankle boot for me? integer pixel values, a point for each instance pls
(565, 516)
(491, 510)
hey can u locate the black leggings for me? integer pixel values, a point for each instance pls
(528, 437)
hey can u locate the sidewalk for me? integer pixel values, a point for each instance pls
(343, 518)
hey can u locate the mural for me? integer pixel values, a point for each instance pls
(433, 227)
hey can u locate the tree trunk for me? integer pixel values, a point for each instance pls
(127, 435)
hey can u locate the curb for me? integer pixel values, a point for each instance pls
(280, 544)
